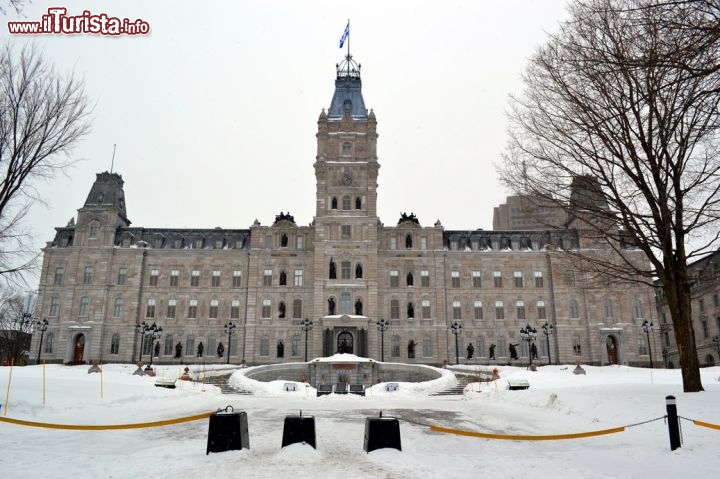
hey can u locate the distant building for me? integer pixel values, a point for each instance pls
(345, 271)
(705, 289)
(522, 213)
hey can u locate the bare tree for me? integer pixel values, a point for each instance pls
(43, 115)
(624, 99)
(16, 5)
(16, 327)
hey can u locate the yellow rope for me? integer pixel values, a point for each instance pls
(706, 424)
(74, 427)
(514, 437)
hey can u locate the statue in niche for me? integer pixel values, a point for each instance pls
(331, 306)
(358, 308)
(333, 270)
(411, 349)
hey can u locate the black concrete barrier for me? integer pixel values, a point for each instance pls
(324, 389)
(382, 432)
(299, 429)
(672, 422)
(228, 431)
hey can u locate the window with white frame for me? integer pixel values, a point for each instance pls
(150, 310)
(394, 309)
(237, 279)
(518, 279)
(267, 277)
(118, 308)
(393, 242)
(638, 308)
(345, 270)
(298, 277)
(154, 275)
(478, 309)
(476, 279)
(541, 310)
(235, 309)
(215, 279)
(54, 306)
(499, 310)
(174, 277)
(423, 242)
(425, 278)
(297, 309)
(455, 279)
(192, 308)
(427, 347)
(195, 277)
(574, 309)
(295, 345)
(171, 308)
(84, 304)
(539, 281)
(345, 307)
(59, 276)
(426, 312)
(520, 310)
(88, 275)
(497, 279)
(345, 231)
(608, 307)
(456, 310)
(394, 279)
(642, 345)
(122, 276)
(214, 307)
(266, 308)
(395, 346)
(299, 242)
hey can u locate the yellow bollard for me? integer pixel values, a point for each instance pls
(7, 396)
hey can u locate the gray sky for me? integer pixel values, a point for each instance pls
(214, 112)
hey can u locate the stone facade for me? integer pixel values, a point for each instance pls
(344, 272)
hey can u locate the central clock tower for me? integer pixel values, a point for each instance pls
(346, 222)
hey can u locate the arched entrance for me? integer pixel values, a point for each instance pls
(79, 348)
(612, 350)
(345, 343)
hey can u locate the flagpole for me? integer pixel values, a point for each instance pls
(348, 48)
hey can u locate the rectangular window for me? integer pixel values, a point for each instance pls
(345, 303)
(394, 309)
(267, 277)
(59, 275)
(497, 279)
(345, 231)
(706, 331)
(54, 306)
(215, 281)
(499, 311)
(541, 310)
(394, 279)
(299, 242)
(345, 270)
(476, 279)
(520, 310)
(456, 310)
(393, 242)
(423, 242)
(455, 279)
(425, 279)
(539, 283)
(427, 347)
(172, 308)
(154, 275)
(297, 309)
(118, 309)
(195, 277)
(192, 309)
(518, 279)
(150, 310)
(174, 277)
(608, 308)
(84, 303)
(298, 277)
(237, 279)
(88, 276)
(213, 311)
(218, 244)
(266, 308)
(122, 276)
(478, 311)
(426, 313)
(235, 309)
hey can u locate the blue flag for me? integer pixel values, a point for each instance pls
(345, 35)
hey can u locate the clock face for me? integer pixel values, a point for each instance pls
(346, 179)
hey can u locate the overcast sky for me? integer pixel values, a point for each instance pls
(214, 112)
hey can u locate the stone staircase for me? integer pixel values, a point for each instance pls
(463, 380)
(225, 388)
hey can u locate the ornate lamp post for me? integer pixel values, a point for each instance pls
(716, 341)
(529, 334)
(648, 327)
(382, 326)
(456, 328)
(230, 330)
(141, 329)
(42, 327)
(154, 332)
(547, 330)
(306, 325)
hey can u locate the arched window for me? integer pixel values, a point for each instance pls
(409, 279)
(284, 240)
(408, 241)
(358, 203)
(346, 202)
(115, 344)
(283, 278)
(574, 309)
(358, 271)
(395, 346)
(577, 345)
(607, 304)
(295, 345)
(333, 203)
(638, 308)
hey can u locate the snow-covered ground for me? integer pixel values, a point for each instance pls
(558, 402)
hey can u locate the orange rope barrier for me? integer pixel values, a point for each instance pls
(706, 424)
(75, 427)
(515, 437)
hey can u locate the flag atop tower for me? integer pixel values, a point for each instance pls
(345, 35)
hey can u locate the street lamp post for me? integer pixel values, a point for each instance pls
(141, 329)
(529, 334)
(230, 330)
(716, 340)
(42, 327)
(154, 332)
(456, 328)
(665, 355)
(382, 326)
(648, 327)
(547, 330)
(306, 325)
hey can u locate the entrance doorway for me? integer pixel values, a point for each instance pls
(79, 348)
(345, 343)
(612, 350)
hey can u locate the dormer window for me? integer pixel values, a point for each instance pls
(347, 106)
(93, 231)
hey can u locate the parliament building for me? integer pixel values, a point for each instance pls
(347, 283)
